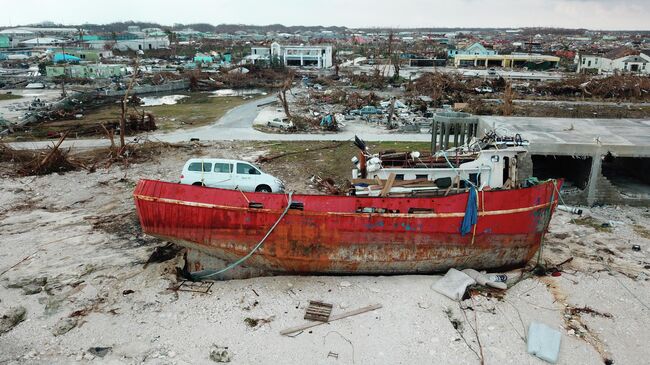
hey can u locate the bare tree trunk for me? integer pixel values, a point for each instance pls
(508, 95)
(391, 112)
(282, 95)
(123, 104)
(336, 63)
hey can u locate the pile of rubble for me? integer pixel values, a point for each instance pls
(610, 87)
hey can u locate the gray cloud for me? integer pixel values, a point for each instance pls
(593, 14)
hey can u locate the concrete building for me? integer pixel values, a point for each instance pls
(619, 60)
(94, 71)
(145, 43)
(531, 61)
(15, 35)
(5, 41)
(42, 41)
(293, 56)
(475, 49)
(81, 54)
(603, 161)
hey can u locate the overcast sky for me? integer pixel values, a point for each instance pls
(592, 14)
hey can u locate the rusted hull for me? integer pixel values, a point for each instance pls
(329, 237)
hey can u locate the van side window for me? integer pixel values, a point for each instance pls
(246, 169)
(200, 166)
(223, 167)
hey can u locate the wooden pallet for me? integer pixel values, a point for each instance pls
(318, 311)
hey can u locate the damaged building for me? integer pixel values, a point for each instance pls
(602, 161)
(312, 56)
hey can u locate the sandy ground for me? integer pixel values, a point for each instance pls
(72, 254)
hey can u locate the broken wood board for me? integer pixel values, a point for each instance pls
(389, 184)
(333, 318)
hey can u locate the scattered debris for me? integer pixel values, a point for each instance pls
(163, 253)
(318, 311)
(572, 210)
(453, 285)
(332, 318)
(254, 322)
(579, 310)
(202, 287)
(11, 318)
(494, 281)
(544, 342)
(99, 351)
(220, 354)
(333, 354)
(64, 325)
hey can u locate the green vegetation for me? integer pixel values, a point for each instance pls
(593, 223)
(197, 110)
(9, 96)
(641, 231)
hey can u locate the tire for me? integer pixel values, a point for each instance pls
(198, 183)
(268, 124)
(263, 189)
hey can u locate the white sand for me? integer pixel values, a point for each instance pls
(50, 221)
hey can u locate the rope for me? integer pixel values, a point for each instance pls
(244, 195)
(244, 258)
(550, 210)
(477, 215)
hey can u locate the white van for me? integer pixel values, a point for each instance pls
(229, 174)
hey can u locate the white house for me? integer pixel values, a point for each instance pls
(42, 41)
(294, 56)
(618, 60)
(145, 43)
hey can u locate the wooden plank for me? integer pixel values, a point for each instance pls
(389, 184)
(379, 182)
(333, 318)
(364, 181)
(396, 183)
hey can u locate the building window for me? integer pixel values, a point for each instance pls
(588, 63)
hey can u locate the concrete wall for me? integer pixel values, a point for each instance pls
(599, 189)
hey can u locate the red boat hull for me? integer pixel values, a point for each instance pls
(329, 237)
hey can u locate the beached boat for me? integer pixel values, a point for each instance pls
(350, 234)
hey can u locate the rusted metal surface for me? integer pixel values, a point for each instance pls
(329, 236)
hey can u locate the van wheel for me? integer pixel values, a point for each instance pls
(198, 183)
(263, 189)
